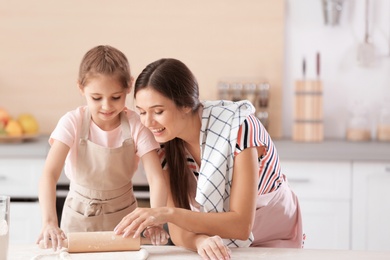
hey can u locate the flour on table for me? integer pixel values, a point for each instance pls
(64, 255)
(58, 255)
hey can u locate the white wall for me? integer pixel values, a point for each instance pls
(345, 82)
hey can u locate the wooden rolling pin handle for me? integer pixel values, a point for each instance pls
(107, 241)
(100, 241)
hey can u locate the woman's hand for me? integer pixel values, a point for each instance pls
(213, 248)
(140, 219)
(157, 235)
(51, 235)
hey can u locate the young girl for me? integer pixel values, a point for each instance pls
(226, 184)
(99, 145)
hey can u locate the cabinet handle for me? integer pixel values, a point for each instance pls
(298, 180)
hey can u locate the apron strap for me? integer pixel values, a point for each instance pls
(85, 125)
(126, 133)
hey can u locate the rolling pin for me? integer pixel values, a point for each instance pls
(105, 241)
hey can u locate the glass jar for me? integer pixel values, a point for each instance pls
(223, 91)
(359, 127)
(383, 127)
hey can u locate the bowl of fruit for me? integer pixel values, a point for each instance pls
(24, 127)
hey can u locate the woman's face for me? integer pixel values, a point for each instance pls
(158, 113)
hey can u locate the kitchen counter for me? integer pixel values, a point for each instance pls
(333, 149)
(288, 150)
(37, 147)
(20, 252)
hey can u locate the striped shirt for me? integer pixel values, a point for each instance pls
(251, 134)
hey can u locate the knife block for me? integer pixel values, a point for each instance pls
(308, 111)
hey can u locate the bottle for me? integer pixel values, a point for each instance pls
(223, 91)
(237, 91)
(250, 92)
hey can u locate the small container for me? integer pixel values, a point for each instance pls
(250, 92)
(383, 127)
(224, 91)
(262, 95)
(237, 91)
(358, 128)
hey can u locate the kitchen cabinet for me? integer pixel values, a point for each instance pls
(324, 192)
(19, 178)
(371, 206)
(25, 222)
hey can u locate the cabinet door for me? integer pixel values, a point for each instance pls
(25, 222)
(324, 192)
(371, 206)
(19, 178)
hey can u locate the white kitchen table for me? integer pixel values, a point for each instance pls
(30, 252)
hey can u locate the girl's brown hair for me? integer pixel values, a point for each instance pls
(105, 60)
(173, 79)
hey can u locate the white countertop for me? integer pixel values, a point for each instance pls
(30, 252)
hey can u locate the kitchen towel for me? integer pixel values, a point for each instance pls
(221, 121)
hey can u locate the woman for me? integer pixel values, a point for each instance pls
(225, 180)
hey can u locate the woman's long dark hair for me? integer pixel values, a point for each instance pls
(173, 79)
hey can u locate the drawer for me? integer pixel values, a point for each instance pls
(319, 179)
(19, 178)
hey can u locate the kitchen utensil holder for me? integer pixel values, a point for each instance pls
(308, 111)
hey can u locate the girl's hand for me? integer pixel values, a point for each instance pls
(140, 219)
(213, 248)
(51, 235)
(157, 235)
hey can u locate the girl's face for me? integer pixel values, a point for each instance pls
(105, 98)
(158, 113)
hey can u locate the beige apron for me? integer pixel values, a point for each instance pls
(101, 192)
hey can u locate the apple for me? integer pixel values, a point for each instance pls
(29, 123)
(4, 117)
(13, 128)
